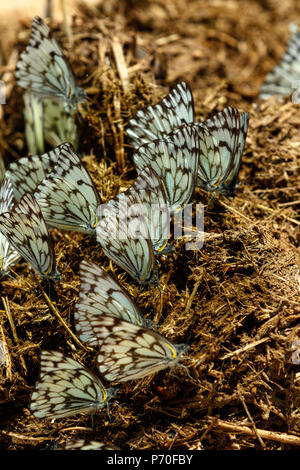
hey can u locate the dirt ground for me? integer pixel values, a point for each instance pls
(236, 301)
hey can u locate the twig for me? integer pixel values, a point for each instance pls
(245, 348)
(8, 359)
(244, 429)
(62, 321)
(23, 437)
(290, 219)
(191, 297)
(13, 329)
(234, 211)
(120, 63)
(251, 420)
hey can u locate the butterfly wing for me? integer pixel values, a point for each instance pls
(25, 229)
(147, 196)
(28, 172)
(222, 144)
(127, 351)
(101, 293)
(59, 124)
(281, 79)
(44, 69)
(65, 387)
(154, 122)
(128, 244)
(8, 255)
(68, 197)
(87, 444)
(175, 160)
(34, 117)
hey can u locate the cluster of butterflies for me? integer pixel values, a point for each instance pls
(172, 155)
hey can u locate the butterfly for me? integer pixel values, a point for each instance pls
(101, 293)
(25, 229)
(65, 387)
(222, 138)
(28, 172)
(59, 124)
(8, 255)
(127, 351)
(147, 196)
(283, 78)
(87, 444)
(128, 244)
(67, 196)
(34, 120)
(47, 120)
(155, 122)
(222, 141)
(44, 69)
(175, 160)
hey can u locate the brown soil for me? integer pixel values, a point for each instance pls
(236, 302)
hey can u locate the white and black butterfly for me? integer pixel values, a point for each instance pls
(49, 121)
(44, 69)
(67, 196)
(128, 244)
(8, 255)
(59, 124)
(101, 293)
(127, 351)
(65, 387)
(283, 78)
(88, 444)
(175, 160)
(155, 122)
(28, 172)
(222, 141)
(25, 228)
(222, 137)
(34, 122)
(147, 196)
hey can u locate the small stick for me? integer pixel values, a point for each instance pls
(14, 331)
(62, 321)
(8, 359)
(22, 436)
(191, 297)
(234, 211)
(244, 348)
(244, 429)
(251, 420)
(290, 219)
(120, 63)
